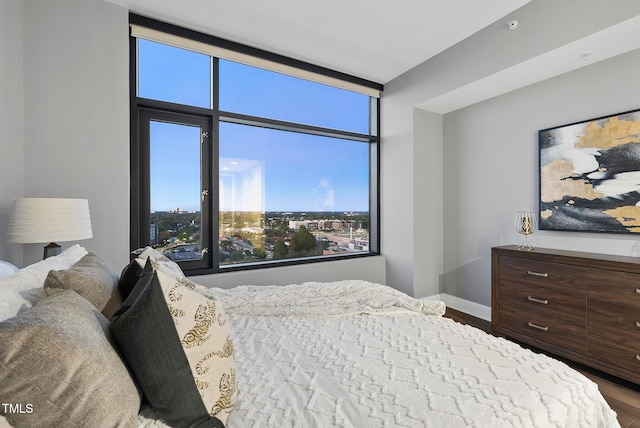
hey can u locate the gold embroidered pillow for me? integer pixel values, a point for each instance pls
(202, 327)
(178, 346)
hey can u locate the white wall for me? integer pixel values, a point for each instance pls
(76, 130)
(11, 107)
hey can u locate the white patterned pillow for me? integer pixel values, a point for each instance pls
(158, 260)
(201, 325)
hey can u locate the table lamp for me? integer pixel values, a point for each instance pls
(41, 220)
(525, 223)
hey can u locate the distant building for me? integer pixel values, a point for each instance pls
(311, 225)
(153, 234)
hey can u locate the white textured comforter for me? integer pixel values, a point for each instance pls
(356, 354)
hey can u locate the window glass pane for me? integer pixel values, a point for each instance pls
(289, 195)
(175, 190)
(175, 75)
(279, 195)
(257, 92)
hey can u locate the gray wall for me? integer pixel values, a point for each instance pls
(76, 115)
(73, 138)
(428, 195)
(11, 107)
(491, 170)
(471, 96)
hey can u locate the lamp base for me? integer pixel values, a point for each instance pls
(525, 244)
(52, 249)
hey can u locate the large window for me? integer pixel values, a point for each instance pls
(237, 165)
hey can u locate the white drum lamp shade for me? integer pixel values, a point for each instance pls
(41, 220)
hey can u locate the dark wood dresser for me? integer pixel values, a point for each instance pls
(581, 306)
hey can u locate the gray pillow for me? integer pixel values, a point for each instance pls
(128, 278)
(91, 277)
(57, 361)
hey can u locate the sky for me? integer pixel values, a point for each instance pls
(266, 169)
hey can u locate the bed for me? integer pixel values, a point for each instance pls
(339, 354)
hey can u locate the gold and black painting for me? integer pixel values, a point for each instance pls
(590, 175)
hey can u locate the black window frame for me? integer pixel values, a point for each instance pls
(142, 108)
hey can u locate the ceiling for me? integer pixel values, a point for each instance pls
(377, 40)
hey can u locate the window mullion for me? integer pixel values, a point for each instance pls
(280, 125)
(215, 166)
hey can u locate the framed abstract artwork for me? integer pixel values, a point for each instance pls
(590, 175)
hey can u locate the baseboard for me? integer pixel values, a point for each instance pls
(462, 305)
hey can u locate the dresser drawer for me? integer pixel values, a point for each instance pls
(546, 301)
(620, 320)
(614, 287)
(616, 350)
(536, 273)
(567, 330)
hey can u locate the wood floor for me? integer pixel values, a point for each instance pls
(623, 397)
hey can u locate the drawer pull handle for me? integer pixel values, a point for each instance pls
(539, 327)
(533, 299)
(637, 357)
(546, 275)
(638, 290)
(638, 324)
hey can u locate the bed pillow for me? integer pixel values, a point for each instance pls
(177, 345)
(7, 269)
(58, 358)
(159, 260)
(162, 263)
(132, 272)
(24, 288)
(128, 278)
(91, 277)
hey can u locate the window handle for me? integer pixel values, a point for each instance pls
(203, 252)
(204, 194)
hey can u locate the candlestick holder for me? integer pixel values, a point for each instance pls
(525, 223)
